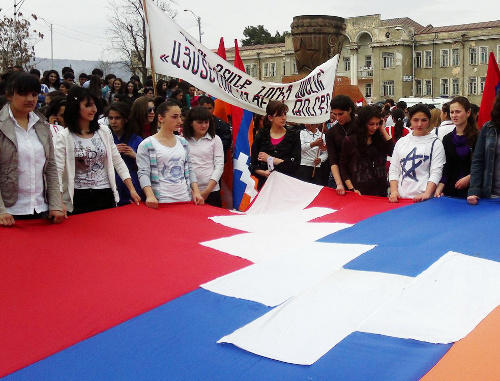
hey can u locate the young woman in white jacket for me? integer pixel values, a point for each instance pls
(417, 161)
(87, 157)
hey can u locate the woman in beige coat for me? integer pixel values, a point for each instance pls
(29, 186)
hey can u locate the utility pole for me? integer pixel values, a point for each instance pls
(198, 18)
(16, 5)
(51, 40)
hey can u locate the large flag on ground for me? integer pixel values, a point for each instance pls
(491, 88)
(177, 54)
(354, 286)
(244, 185)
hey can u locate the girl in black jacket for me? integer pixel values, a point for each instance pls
(275, 146)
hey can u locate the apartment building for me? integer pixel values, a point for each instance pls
(396, 58)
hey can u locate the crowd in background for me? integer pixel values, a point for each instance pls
(74, 145)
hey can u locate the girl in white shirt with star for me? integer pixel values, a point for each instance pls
(417, 161)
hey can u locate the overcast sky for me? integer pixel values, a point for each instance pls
(81, 26)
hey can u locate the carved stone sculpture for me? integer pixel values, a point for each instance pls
(316, 39)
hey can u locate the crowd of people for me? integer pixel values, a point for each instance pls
(69, 147)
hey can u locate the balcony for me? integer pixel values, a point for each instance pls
(365, 72)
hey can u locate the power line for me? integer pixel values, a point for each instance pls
(73, 30)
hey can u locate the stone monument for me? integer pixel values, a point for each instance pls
(316, 39)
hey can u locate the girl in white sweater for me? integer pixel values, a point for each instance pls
(87, 157)
(417, 161)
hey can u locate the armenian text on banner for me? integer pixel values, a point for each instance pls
(177, 54)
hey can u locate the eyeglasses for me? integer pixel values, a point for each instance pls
(151, 109)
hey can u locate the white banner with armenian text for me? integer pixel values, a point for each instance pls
(177, 54)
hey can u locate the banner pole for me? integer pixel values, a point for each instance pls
(153, 71)
(317, 153)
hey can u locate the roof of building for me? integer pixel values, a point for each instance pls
(460, 27)
(404, 21)
(254, 47)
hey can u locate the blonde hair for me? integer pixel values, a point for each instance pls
(435, 120)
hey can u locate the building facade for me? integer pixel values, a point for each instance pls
(269, 63)
(396, 58)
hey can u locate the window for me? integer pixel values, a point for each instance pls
(482, 82)
(387, 60)
(247, 69)
(473, 56)
(266, 69)
(418, 59)
(472, 86)
(445, 86)
(368, 61)
(483, 55)
(428, 87)
(455, 86)
(368, 90)
(283, 68)
(445, 58)
(428, 58)
(347, 64)
(455, 57)
(418, 87)
(388, 88)
(273, 69)
(294, 67)
(253, 70)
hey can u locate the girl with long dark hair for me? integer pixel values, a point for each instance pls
(143, 117)
(127, 142)
(165, 170)
(364, 154)
(206, 152)
(52, 80)
(87, 157)
(275, 147)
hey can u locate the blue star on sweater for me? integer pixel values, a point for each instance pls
(415, 161)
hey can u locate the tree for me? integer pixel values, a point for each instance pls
(258, 35)
(105, 66)
(128, 32)
(15, 42)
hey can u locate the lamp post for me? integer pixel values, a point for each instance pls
(198, 18)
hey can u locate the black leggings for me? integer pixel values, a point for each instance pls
(90, 200)
(214, 199)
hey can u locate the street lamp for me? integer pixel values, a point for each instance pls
(198, 18)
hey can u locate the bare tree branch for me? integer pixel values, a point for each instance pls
(16, 47)
(128, 32)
